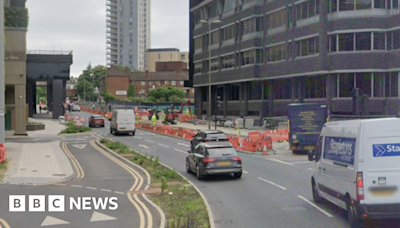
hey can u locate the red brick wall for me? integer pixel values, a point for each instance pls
(170, 66)
(117, 84)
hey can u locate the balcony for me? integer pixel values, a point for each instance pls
(112, 9)
(111, 3)
(112, 25)
(16, 17)
(112, 15)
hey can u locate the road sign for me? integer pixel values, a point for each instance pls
(78, 123)
(82, 119)
(76, 118)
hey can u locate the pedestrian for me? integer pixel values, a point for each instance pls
(154, 119)
(40, 109)
(94, 106)
(137, 119)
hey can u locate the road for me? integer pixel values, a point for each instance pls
(97, 175)
(272, 193)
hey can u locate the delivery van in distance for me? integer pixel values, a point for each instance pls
(123, 122)
(357, 167)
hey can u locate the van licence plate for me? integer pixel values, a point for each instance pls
(309, 147)
(383, 193)
(224, 163)
(122, 128)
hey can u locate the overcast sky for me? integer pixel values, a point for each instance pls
(80, 26)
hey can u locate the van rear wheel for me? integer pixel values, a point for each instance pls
(316, 197)
(352, 218)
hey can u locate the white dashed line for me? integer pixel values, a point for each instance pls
(182, 144)
(301, 162)
(180, 151)
(91, 188)
(148, 141)
(315, 206)
(138, 137)
(310, 169)
(269, 182)
(276, 160)
(245, 172)
(105, 190)
(121, 193)
(60, 184)
(76, 186)
(163, 145)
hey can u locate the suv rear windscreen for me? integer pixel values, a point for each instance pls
(97, 117)
(220, 152)
(220, 137)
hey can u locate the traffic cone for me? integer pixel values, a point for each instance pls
(265, 151)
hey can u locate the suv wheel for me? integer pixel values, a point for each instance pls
(238, 175)
(198, 174)
(188, 167)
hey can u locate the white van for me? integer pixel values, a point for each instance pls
(123, 121)
(357, 167)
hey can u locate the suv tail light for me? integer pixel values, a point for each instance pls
(207, 160)
(360, 186)
(116, 126)
(206, 140)
(236, 159)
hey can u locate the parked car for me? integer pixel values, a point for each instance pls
(76, 108)
(123, 121)
(211, 158)
(356, 167)
(208, 135)
(96, 120)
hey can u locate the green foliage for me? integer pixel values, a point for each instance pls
(131, 91)
(164, 184)
(89, 79)
(167, 173)
(41, 93)
(164, 94)
(71, 128)
(108, 97)
(16, 17)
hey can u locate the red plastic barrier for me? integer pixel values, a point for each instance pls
(2, 153)
(180, 132)
(249, 145)
(188, 134)
(265, 144)
(234, 140)
(168, 130)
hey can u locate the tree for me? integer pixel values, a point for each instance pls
(108, 97)
(41, 94)
(91, 76)
(164, 94)
(131, 91)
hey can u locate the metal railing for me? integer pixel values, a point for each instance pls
(49, 52)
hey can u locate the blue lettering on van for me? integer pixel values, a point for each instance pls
(340, 149)
(386, 150)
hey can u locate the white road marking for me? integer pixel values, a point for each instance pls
(163, 145)
(91, 188)
(310, 169)
(97, 217)
(60, 184)
(121, 193)
(138, 137)
(180, 151)
(301, 162)
(144, 146)
(148, 141)
(245, 172)
(79, 146)
(270, 182)
(182, 144)
(51, 221)
(315, 206)
(76, 186)
(276, 160)
(105, 190)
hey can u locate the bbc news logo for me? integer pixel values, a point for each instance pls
(57, 203)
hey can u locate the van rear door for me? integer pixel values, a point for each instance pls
(126, 121)
(381, 170)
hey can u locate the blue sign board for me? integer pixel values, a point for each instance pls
(340, 149)
(386, 150)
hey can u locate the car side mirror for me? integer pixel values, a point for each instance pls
(311, 155)
(189, 151)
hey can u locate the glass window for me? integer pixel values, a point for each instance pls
(395, 4)
(256, 90)
(380, 4)
(392, 84)
(346, 5)
(249, 26)
(213, 11)
(220, 152)
(234, 94)
(389, 36)
(363, 41)
(276, 53)
(259, 56)
(282, 89)
(315, 87)
(346, 42)
(228, 61)
(363, 81)
(319, 149)
(214, 64)
(277, 19)
(247, 57)
(378, 84)
(215, 37)
(346, 84)
(173, 83)
(304, 48)
(265, 90)
(317, 7)
(183, 57)
(363, 4)
(198, 68)
(150, 83)
(311, 8)
(166, 83)
(142, 83)
(379, 40)
(229, 5)
(333, 5)
(304, 10)
(228, 33)
(396, 39)
(181, 83)
(198, 44)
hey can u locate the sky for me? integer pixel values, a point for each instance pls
(80, 26)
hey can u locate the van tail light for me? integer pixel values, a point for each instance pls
(207, 160)
(360, 186)
(236, 159)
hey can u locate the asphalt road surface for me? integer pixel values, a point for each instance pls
(97, 176)
(272, 193)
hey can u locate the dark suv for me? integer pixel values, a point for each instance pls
(212, 158)
(206, 136)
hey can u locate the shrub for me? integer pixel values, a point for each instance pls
(167, 173)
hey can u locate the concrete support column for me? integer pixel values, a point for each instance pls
(323, 35)
(58, 94)
(50, 95)
(271, 97)
(244, 95)
(31, 100)
(330, 87)
(20, 109)
(198, 105)
(225, 101)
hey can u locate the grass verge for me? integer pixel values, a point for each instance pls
(72, 129)
(3, 170)
(181, 203)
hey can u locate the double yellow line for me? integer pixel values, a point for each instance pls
(80, 174)
(136, 186)
(4, 224)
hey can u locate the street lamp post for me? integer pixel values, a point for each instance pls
(209, 68)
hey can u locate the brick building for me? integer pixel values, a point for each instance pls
(117, 82)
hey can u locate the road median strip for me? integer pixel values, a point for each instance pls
(180, 202)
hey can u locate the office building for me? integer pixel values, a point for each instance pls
(163, 55)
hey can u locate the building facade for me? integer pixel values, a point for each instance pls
(165, 55)
(128, 33)
(267, 54)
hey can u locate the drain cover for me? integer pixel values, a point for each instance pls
(223, 221)
(291, 209)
